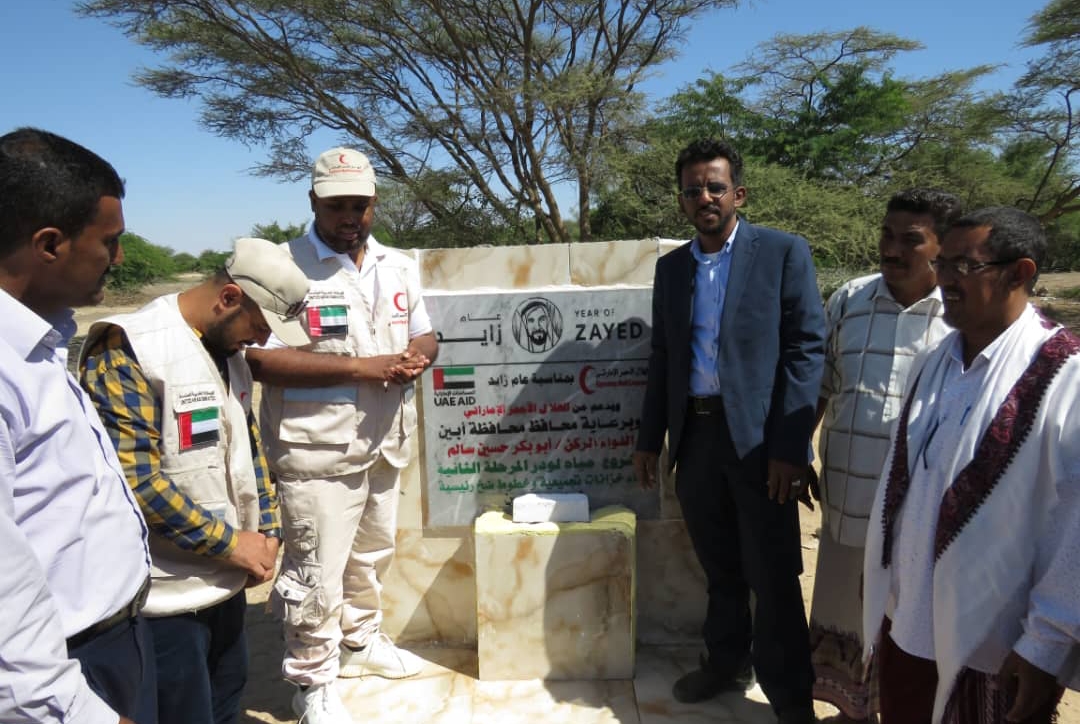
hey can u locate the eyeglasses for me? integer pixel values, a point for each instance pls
(295, 309)
(963, 266)
(715, 189)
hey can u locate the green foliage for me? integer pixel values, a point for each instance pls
(277, 233)
(402, 219)
(210, 261)
(184, 262)
(712, 107)
(1041, 111)
(1063, 244)
(143, 263)
(828, 134)
(840, 222)
(637, 197)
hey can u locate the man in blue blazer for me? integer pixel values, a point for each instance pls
(734, 375)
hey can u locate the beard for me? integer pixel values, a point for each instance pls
(718, 223)
(218, 338)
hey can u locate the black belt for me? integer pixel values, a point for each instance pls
(124, 614)
(705, 405)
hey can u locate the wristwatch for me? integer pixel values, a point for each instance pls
(273, 533)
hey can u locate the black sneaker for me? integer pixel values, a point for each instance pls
(797, 716)
(706, 682)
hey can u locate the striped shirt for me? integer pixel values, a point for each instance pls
(871, 342)
(131, 413)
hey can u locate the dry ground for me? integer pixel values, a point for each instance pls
(267, 696)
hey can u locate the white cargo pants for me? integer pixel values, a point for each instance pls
(339, 542)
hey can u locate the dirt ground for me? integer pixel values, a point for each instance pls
(267, 695)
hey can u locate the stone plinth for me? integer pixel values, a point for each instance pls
(556, 600)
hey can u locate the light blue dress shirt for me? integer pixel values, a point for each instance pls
(707, 305)
(72, 539)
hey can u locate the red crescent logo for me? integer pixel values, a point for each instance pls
(342, 161)
(583, 379)
(400, 304)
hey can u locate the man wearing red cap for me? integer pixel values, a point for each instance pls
(338, 416)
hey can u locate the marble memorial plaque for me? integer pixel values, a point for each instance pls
(536, 391)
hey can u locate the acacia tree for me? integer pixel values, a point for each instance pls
(402, 219)
(1042, 111)
(514, 94)
(831, 106)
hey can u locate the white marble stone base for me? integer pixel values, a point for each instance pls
(556, 600)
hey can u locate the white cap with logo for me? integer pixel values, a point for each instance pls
(343, 172)
(269, 277)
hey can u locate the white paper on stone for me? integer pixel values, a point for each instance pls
(551, 508)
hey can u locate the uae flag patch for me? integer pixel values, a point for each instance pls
(454, 378)
(325, 321)
(199, 427)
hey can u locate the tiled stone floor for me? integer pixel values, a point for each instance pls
(448, 692)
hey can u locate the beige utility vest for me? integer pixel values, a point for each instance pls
(330, 431)
(205, 449)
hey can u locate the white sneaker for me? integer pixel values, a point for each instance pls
(379, 658)
(320, 704)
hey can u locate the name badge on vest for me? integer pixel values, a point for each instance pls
(327, 313)
(198, 417)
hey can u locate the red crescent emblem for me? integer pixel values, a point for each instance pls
(583, 379)
(342, 161)
(399, 303)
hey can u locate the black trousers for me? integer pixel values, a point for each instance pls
(745, 542)
(119, 667)
(202, 664)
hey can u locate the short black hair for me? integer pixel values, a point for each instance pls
(944, 207)
(707, 149)
(47, 180)
(1014, 234)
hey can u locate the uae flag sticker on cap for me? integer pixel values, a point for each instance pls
(199, 427)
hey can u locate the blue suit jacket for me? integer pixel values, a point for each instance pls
(771, 352)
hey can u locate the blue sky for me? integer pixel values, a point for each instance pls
(189, 190)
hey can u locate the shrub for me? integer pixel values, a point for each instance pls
(143, 263)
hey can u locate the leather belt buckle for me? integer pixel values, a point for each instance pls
(704, 405)
(140, 599)
(129, 611)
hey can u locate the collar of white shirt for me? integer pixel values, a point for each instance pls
(882, 291)
(23, 329)
(375, 250)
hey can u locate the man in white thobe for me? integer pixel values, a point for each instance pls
(972, 560)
